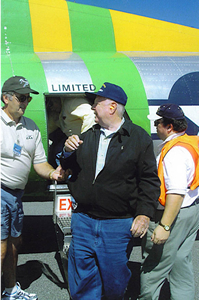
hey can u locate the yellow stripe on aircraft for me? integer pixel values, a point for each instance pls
(136, 33)
(50, 25)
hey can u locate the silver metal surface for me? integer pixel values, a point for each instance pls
(65, 224)
(160, 70)
(66, 73)
(58, 187)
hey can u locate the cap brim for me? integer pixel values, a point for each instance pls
(153, 117)
(26, 91)
(91, 96)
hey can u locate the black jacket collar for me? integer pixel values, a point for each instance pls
(124, 129)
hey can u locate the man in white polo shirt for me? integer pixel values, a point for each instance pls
(168, 244)
(21, 146)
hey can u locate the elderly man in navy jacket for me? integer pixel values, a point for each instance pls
(115, 184)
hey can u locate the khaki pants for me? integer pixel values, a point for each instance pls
(172, 260)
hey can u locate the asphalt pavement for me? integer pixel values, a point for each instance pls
(40, 268)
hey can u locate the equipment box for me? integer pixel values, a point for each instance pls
(62, 214)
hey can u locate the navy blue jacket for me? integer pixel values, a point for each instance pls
(128, 184)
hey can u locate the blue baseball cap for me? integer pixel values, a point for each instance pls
(169, 111)
(110, 91)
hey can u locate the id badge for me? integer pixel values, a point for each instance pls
(17, 150)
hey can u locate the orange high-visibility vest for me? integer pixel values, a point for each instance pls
(191, 143)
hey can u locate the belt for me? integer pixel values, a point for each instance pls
(195, 202)
(7, 189)
(159, 212)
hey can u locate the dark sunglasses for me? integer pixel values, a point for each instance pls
(157, 122)
(23, 98)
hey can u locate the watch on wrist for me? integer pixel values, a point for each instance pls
(166, 227)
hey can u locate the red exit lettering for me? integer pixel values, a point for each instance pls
(65, 204)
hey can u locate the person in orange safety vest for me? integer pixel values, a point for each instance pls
(167, 247)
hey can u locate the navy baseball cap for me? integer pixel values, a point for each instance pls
(169, 111)
(110, 91)
(18, 84)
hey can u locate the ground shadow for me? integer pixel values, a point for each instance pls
(133, 288)
(32, 270)
(38, 235)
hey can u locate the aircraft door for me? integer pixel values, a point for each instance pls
(67, 114)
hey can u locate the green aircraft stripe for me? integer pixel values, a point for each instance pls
(93, 40)
(91, 28)
(18, 57)
(119, 69)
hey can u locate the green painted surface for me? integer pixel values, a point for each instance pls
(119, 69)
(94, 41)
(18, 57)
(91, 28)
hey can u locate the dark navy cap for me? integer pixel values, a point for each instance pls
(110, 91)
(170, 111)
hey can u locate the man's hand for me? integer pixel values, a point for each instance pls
(140, 226)
(58, 174)
(172, 207)
(160, 235)
(72, 143)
